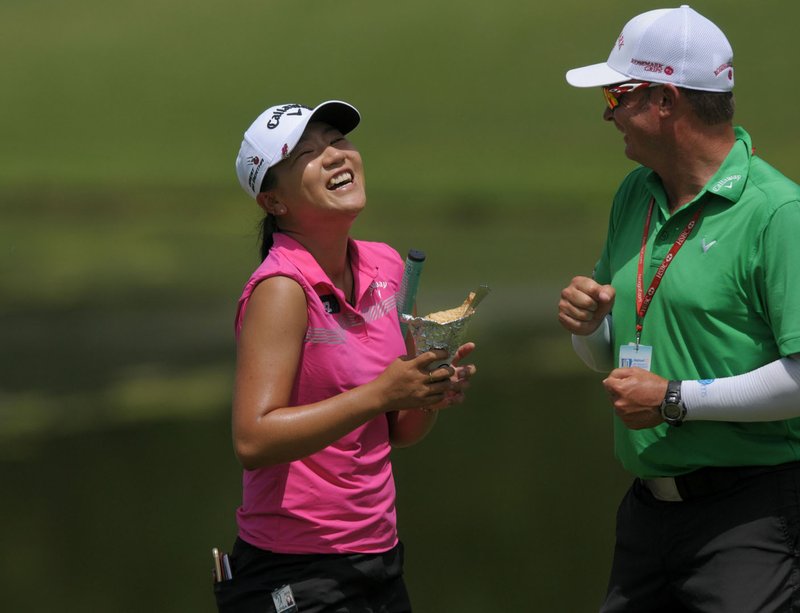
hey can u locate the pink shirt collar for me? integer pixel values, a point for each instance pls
(295, 252)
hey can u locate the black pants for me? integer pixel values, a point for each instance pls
(320, 583)
(731, 551)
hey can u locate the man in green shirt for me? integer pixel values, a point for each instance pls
(694, 307)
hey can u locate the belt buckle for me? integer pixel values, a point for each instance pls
(663, 488)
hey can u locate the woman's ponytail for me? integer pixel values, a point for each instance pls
(269, 225)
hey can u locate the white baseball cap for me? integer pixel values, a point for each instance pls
(272, 136)
(677, 46)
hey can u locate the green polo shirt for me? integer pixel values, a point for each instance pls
(729, 303)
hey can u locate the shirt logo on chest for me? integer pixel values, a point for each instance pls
(726, 183)
(708, 245)
(375, 289)
(330, 303)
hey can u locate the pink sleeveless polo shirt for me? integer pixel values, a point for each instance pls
(342, 498)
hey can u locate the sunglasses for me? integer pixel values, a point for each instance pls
(614, 92)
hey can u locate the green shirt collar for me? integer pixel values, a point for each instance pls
(729, 180)
(731, 177)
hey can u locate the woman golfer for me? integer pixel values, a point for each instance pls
(322, 389)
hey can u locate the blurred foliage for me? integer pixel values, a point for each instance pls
(455, 95)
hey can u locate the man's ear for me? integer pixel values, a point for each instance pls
(668, 97)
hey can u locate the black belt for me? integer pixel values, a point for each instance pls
(711, 480)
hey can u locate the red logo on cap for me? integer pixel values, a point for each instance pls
(285, 151)
(254, 160)
(668, 70)
(723, 68)
(648, 66)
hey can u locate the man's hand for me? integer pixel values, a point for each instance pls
(636, 395)
(583, 305)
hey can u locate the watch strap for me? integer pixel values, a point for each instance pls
(672, 399)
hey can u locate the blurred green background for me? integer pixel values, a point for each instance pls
(126, 240)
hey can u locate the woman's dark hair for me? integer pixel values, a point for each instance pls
(711, 108)
(269, 225)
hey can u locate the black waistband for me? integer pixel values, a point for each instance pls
(716, 479)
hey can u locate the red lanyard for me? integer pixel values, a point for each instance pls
(643, 300)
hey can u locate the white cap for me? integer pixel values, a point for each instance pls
(272, 136)
(677, 46)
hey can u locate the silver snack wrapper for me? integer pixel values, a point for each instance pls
(429, 334)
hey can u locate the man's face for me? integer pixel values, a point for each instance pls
(634, 117)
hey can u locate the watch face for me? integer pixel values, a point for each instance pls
(672, 411)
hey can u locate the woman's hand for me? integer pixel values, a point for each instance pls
(459, 380)
(446, 387)
(407, 382)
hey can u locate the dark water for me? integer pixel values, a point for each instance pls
(507, 506)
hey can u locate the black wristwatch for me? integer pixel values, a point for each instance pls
(672, 410)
